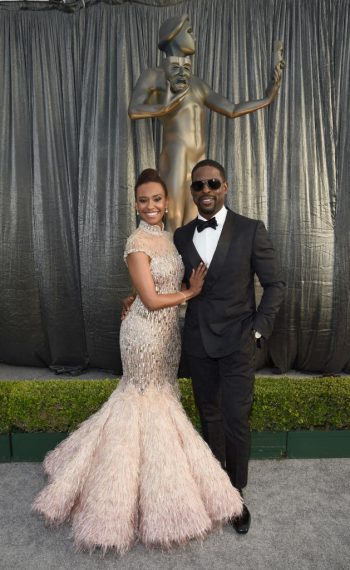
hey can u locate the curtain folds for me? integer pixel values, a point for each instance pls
(69, 156)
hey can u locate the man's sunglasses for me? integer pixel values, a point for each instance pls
(212, 183)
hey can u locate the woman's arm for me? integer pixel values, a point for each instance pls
(142, 280)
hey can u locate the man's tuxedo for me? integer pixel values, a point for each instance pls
(218, 331)
(224, 314)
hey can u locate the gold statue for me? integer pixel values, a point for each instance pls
(179, 98)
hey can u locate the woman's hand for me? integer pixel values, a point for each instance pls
(127, 302)
(197, 279)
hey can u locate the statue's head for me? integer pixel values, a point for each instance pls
(176, 37)
(178, 71)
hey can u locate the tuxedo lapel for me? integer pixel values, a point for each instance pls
(221, 251)
(192, 258)
(191, 254)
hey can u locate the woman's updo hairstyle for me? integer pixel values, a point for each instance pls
(150, 175)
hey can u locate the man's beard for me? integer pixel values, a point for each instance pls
(209, 209)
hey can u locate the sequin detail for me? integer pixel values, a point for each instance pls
(153, 337)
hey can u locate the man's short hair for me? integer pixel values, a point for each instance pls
(209, 162)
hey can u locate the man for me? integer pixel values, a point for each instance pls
(179, 99)
(223, 323)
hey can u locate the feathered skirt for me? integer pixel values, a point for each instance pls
(136, 470)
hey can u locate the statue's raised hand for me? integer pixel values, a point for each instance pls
(280, 64)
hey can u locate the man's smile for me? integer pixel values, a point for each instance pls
(207, 200)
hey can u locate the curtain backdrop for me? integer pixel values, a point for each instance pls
(69, 156)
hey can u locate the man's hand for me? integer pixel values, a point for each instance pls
(127, 302)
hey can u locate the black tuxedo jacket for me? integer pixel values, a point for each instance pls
(223, 316)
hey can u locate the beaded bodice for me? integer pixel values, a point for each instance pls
(150, 340)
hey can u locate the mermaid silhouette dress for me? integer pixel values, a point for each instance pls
(137, 469)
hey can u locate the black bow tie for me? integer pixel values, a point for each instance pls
(203, 224)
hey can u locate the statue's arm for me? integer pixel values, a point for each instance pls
(152, 96)
(224, 106)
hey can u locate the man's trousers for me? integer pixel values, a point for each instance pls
(223, 391)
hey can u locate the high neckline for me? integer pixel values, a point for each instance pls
(151, 229)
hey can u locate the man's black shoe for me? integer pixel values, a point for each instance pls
(241, 524)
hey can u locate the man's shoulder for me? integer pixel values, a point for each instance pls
(183, 230)
(243, 220)
(198, 83)
(183, 233)
(153, 76)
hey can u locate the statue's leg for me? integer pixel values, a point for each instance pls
(172, 168)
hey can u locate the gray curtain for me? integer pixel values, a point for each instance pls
(69, 156)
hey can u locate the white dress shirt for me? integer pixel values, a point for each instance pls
(206, 241)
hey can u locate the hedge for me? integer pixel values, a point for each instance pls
(280, 404)
(286, 404)
(56, 405)
(5, 391)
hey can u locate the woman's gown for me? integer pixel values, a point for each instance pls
(137, 469)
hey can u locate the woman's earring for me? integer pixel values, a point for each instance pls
(166, 210)
(137, 213)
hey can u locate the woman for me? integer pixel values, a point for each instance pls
(137, 469)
